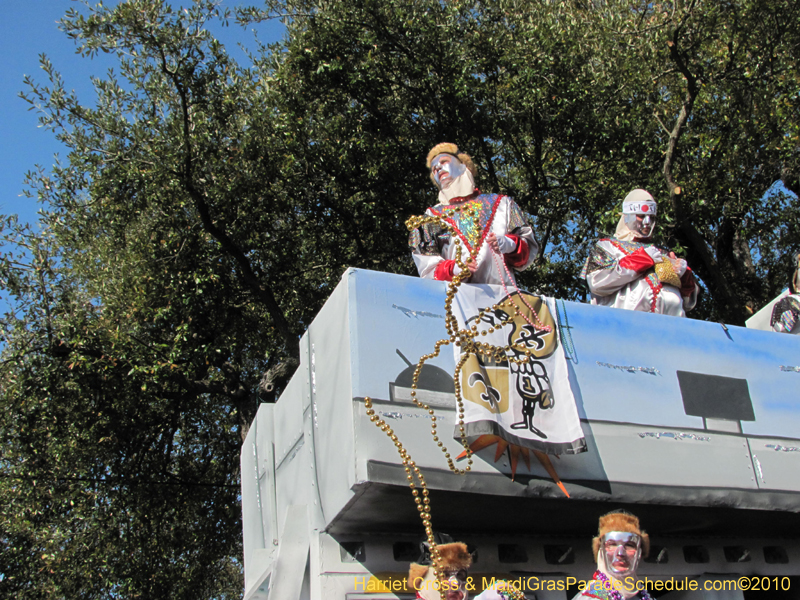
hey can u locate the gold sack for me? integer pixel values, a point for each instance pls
(666, 273)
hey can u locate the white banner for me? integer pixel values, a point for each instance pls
(528, 404)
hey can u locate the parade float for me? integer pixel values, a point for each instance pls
(693, 426)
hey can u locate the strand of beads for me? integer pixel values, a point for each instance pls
(462, 337)
(431, 412)
(466, 339)
(612, 588)
(451, 324)
(539, 325)
(507, 591)
(412, 471)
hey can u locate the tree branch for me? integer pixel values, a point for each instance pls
(251, 280)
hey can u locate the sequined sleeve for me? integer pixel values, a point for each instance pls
(518, 224)
(427, 239)
(598, 259)
(516, 218)
(785, 314)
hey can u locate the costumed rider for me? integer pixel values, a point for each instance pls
(628, 271)
(786, 311)
(618, 547)
(491, 223)
(455, 581)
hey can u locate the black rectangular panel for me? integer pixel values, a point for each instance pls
(715, 397)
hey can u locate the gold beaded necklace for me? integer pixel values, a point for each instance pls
(466, 339)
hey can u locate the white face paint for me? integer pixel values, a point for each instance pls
(621, 551)
(445, 169)
(455, 586)
(642, 226)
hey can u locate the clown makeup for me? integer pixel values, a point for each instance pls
(445, 169)
(455, 587)
(642, 226)
(621, 552)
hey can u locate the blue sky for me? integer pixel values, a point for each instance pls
(28, 29)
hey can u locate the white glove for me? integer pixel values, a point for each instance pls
(505, 244)
(654, 253)
(679, 266)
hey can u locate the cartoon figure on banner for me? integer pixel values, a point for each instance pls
(529, 377)
(541, 396)
(510, 381)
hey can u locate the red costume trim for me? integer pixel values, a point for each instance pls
(688, 283)
(444, 270)
(519, 256)
(639, 261)
(656, 291)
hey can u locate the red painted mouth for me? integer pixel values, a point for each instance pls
(621, 564)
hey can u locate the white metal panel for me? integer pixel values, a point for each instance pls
(293, 450)
(265, 456)
(330, 360)
(288, 418)
(290, 573)
(656, 456)
(258, 486)
(292, 482)
(251, 514)
(777, 463)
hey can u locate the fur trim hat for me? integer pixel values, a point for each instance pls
(455, 557)
(619, 520)
(452, 149)
(416, 575)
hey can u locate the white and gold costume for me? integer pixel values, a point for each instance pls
(473, 217)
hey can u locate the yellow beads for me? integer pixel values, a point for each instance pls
(412, 472)
(466, 340)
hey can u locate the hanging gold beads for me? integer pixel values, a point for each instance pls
(466, 339)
